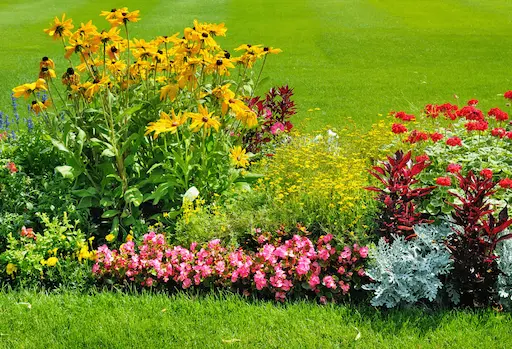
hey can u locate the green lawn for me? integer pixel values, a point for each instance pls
(352, 58)
(108, 320)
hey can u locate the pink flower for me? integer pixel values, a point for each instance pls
(187, 283)
(346, 253)
(303, 267)
(329, 282)
(345, 287)
(363, 252)
(276, 128)
(323, 300)
(314, 281)
(260, 280)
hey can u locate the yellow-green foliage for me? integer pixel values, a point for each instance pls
(323, 177)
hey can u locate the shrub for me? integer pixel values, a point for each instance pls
(405, 272)
(28, 185)
(279, 268)
(57, 256)
(399, 198)
(474, 241)
(118, 91)
(504, 251)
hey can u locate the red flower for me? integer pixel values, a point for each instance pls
(471, 113)
(477, 126)
(417, 136)
(28, 232)
(505, 183)
(454, 168)
(508, 95)
(11, 166)
(398, 128)
(508, 134)
(405, 117)
(498, 132)
(444, 181)
(473, 102)
(431, 110)
(454, 141)
(422, 158)
(436, 136)
(486, 173)
(499, 114)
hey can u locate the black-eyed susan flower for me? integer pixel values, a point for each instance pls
(113, 51)
(96, 85)
(46, 63)
(85, 30)
(37, 107)
(271, 50)
(123, 16)
(46, 73)
(116, 67)
(203, 120)
(169, 91)
(220, 65)
(60, 27)
(26, 90)
(107, 36)
(166, 123)
(70, 77)
(239, 157)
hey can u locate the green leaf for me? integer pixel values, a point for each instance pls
(91, 191)
(60, 146)
(108, 152)
(110, 214)
(133, 195)
(65, 171)
(85, 202)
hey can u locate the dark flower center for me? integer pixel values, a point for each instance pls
(204, 35)
(219, 62)
(205, 119)
(45, 59)
(70, 71)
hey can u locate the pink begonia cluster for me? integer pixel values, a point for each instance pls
(280, 269)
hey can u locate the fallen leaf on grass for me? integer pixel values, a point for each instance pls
(230, 341)
(358, 336)
(164, 310)
(29, 306)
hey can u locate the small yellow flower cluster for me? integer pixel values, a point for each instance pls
(326, 175)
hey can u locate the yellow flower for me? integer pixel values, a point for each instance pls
(129, 237)
(52, 261)
(169, 91)
(271, 50)
(11, 269)
(96, 85)
(203, 119)
(84, 253)
(26, 90)
(60, 27)
(166, 123)
(239, 158)
(110, 237)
